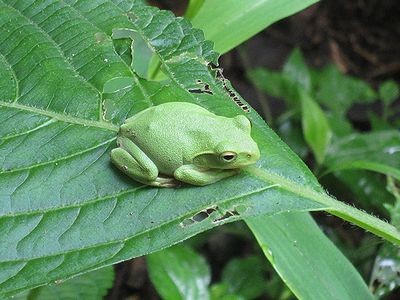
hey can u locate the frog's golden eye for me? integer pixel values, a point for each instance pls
(228, 156)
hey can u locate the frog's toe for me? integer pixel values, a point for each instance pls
(168, 182)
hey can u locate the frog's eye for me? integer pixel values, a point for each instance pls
(228, 156)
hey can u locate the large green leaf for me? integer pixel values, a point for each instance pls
(179, 273)
(306, 260)
(64, 209)
(229, 23)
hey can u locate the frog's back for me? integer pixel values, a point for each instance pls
(165, 132)
(172, 115)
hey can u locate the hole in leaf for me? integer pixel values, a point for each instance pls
(228, 214)
(205, 88)
(200, 216)
(219, 76)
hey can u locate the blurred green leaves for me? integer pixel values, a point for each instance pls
(320, 99)
(315, 126)
(179, 273)
(377, 151)
(389, 91)
(91, 286)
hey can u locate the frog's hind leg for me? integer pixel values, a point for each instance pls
(131, 160)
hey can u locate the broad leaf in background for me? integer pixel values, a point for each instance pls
(245, 277)
(288, 83)
(338, 91)
(356, 151)
(229, 23)
(273, 83)
(296, 71)
(64, 209)
(389, 91)
(179, 273)
(91, 286)
(306, 257)
(315, 126)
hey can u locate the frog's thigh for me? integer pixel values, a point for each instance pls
(134, 165)
(197, 176)
(131, 160)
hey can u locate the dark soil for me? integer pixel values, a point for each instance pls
(362, 37)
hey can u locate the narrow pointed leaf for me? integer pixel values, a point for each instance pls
(229, 23)
(306, 259)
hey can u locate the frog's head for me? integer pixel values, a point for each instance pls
(234, 149)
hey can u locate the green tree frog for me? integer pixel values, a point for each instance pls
(176, 142)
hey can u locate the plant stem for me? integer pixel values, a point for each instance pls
(333, 206)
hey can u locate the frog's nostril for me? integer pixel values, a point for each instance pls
(248, 155)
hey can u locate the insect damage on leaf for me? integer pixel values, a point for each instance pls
(216, 213)
(220, 76)
(204, 89)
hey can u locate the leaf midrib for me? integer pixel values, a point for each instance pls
(62, 117)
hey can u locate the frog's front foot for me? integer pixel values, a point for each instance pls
(200, 176)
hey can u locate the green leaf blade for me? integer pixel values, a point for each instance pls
(229, 23)
(316, 129)
(307, 261)
(179, 273)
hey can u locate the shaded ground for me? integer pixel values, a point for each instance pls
(361, 37)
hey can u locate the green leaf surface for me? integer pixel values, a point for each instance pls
(296, 71)
(220, 291)
(389, 91)
(315, 126)
(91, 286)
(65, 210)
(245, 277)
(271, 82)
(229, 23)
(179, 273)
(193, 8)
(338, 91)
(377, 151)
(307, 260)
(291, 133)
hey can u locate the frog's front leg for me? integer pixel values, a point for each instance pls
(200, 176)
(131, 160)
